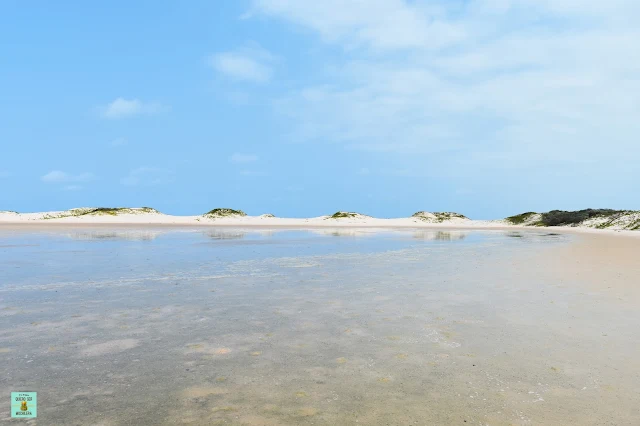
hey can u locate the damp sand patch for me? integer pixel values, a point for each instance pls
(110, 347)
(195, 392)
(206, 349)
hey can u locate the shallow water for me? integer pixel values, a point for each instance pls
(327, 327)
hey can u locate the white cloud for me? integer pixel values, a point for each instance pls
(377, 24)
(122, 108)
(148, 176)
(57, 176)
(243, 158)
(250, 64)
(118, 142)
(72, 188)
(502, 83)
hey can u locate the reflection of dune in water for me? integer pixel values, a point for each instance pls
(264, 232)
(238, 233)
(440, 235)
(536, 237)
(293, 262)
(219, 234)
(337, 232)
(115, 235)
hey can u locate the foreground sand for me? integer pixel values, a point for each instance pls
(506, 328)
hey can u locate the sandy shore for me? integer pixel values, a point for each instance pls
(163, 219)
(24, 221)
(301, 330)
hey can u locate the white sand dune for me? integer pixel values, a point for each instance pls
(146, 216)
(136, 217)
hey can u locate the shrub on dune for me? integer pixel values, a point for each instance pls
(345, 215)
(224, 212)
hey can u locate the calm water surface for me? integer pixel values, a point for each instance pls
(329, 327)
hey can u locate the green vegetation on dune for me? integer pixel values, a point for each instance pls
(338, 215)
(224, 212)
(564, 218)
(103, 211)
(114, 211)
(342, 215)
(442, 216)
(520, 218)
(594, 218)
(438, 217)
(100, 211)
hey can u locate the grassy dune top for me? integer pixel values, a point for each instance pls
(224, 212)
(343, 215)
(101, 211)
(438, 217)
(589, 218)
(527, 218)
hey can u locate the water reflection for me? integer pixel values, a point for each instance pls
(220, 234)
(133, 235)
(535, 236)
(264, 232)
(314, 331)
(351, 232)
(440, 235)
(258, 234)
(336, 232)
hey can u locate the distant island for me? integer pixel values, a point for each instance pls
(587, 218)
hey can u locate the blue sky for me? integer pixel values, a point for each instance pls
(301, 108)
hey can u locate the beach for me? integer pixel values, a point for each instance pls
(67, 219)
(148, 324)
(320, 213)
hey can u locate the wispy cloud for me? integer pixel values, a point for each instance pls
(72, 188)
(243, 158)
(252, 63)
(494, 83)
(381, 24)
(148, 176)
(57, 176)
(122, 108)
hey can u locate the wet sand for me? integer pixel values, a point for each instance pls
(117, 327)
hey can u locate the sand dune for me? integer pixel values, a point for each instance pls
(154, 217)
(147, 216)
